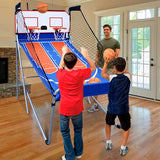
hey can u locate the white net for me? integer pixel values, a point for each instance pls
(82, 36)
(59, 36)
(33, 36)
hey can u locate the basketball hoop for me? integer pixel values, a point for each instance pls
(58, 35)
(33, 35)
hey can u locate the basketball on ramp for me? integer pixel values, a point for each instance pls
(94, 80)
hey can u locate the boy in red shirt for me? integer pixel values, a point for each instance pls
(71, 102)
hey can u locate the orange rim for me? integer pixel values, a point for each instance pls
(58, 28)
(32, 28)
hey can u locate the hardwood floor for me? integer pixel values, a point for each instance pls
(21, 139)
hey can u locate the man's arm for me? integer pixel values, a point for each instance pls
(85, 55)
(117, 51)
(104, 69)
(64, 51)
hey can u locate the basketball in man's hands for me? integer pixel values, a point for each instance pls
(109, 54)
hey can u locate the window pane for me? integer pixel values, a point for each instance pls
(146, 83)
(117, 19)
(140, 45)
(146, 45)
(140, 69)
(141, 57)
(132, 16)
(146, 57)
(134, 79)
(140, 33)
(134, 46)
(109, 20)
(114, 21)
(102, 21)
(146, 73)
(146, 33)
(134, 33)
(158, 12)
(149, 13)
(116, 29)
(140, 81)
(141, 14)
(134, 68)
(116, 36)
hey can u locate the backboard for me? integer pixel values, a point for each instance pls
(50, 19)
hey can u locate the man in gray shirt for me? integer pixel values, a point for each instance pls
(106, 42)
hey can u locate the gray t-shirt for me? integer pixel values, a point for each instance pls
(106, 43)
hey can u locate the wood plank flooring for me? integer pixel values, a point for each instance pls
(21, 139)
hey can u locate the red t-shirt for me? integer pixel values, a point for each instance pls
(71, 90)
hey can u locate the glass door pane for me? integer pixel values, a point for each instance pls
(141, 57)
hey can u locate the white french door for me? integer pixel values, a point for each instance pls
(141, 58)
(158, 60)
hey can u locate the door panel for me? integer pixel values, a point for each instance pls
(141, 59)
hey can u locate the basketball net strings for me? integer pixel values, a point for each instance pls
(52, 90)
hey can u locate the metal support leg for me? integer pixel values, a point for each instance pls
(17, 81)
(52, 117)
(23, 82)
(51, 122)
(89, 101)
(34, 111)
(48, 141)
(99, 104)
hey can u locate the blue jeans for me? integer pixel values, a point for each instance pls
(77, 122)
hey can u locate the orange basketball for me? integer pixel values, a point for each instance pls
(42, 7)
(109, 54)
(94, 80)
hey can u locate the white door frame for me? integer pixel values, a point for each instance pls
(147, 93)
(158, 60)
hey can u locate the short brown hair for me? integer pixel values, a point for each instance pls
(70, 60)
(107, 25)
(120, 64)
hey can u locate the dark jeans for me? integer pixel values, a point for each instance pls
(77, 122)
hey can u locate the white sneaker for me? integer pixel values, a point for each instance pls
(78, 157)
(108, 146)
(123, 152)
(63, 157)
(94, 108)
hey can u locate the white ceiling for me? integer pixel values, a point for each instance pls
(64, 2)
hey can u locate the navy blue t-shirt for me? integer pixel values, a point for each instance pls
(119, 94)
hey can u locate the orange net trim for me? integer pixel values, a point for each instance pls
(59, 28)
(32, 28)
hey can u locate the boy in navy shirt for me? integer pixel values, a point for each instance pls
(118, 96)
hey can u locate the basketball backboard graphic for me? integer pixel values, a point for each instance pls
(48, 20)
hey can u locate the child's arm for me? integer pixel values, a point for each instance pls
(104, 69)
(85, 55)
(64, 51)
(126, 71)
